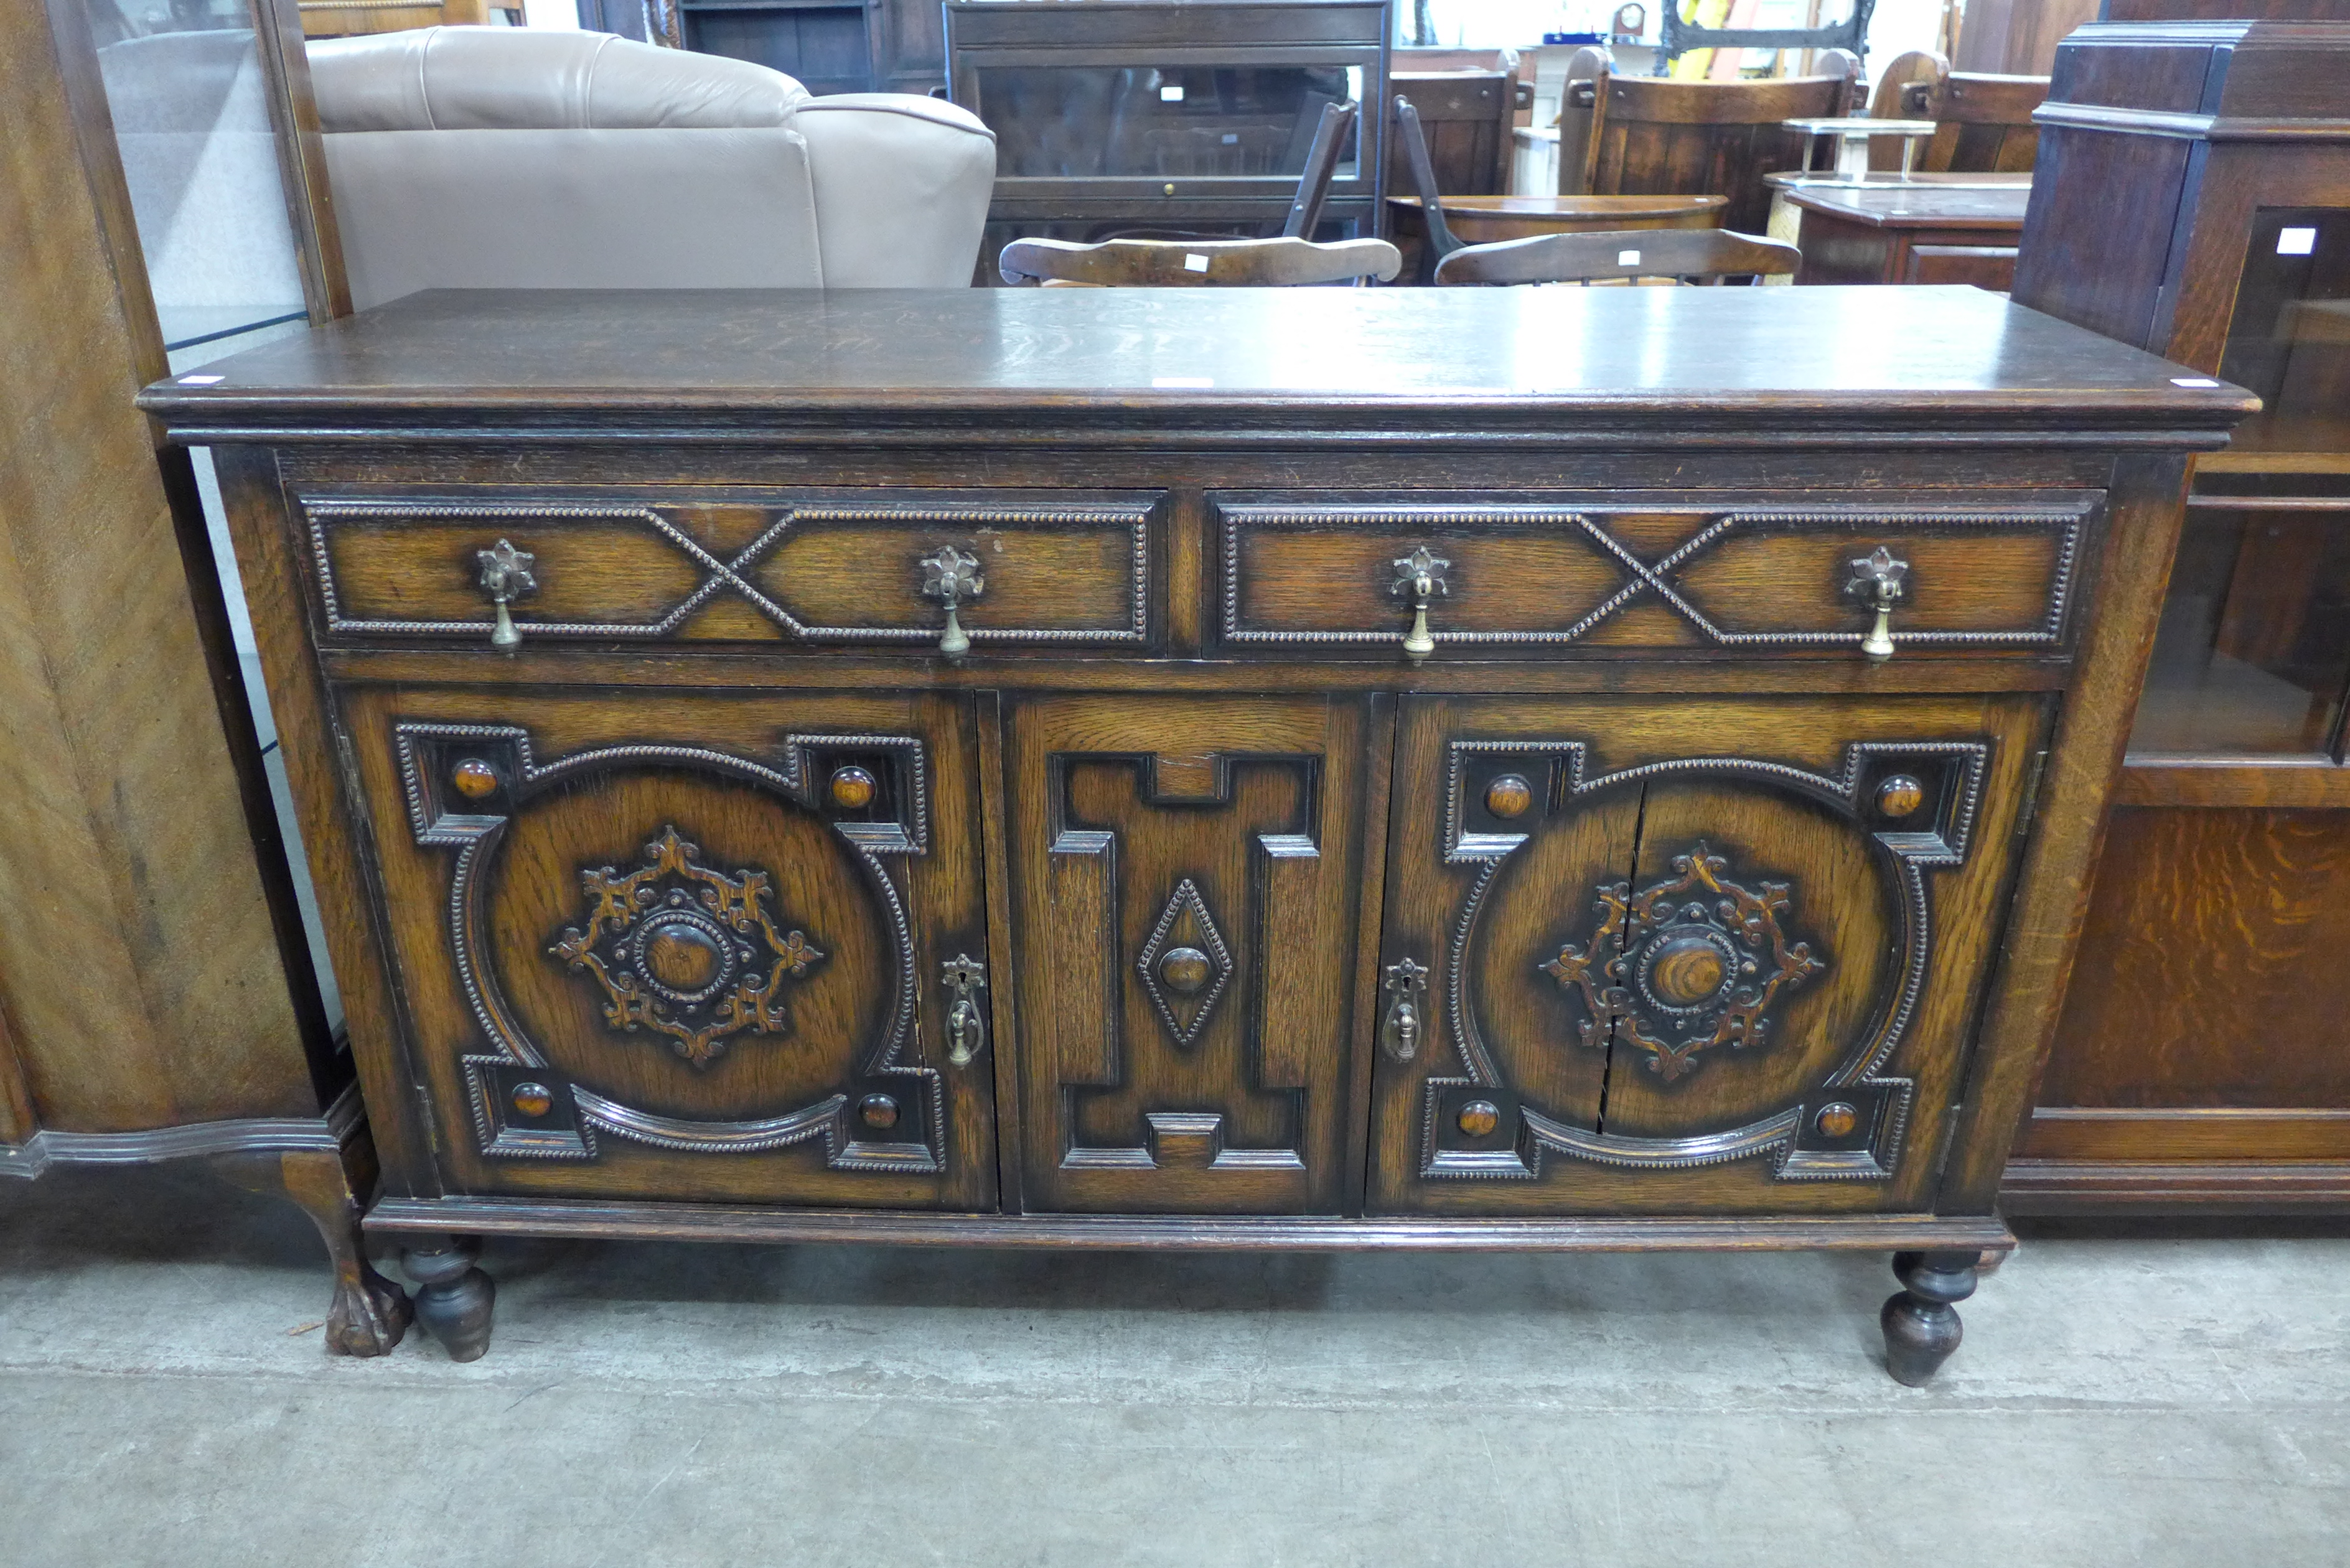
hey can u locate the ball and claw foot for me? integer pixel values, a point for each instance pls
(452, 1297)
(1922, 1327)
(371, 1314)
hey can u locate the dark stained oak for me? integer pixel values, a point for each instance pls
(1197, 904)
(1876, 233)
(541, 359)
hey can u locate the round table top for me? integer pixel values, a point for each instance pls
(1571, 206)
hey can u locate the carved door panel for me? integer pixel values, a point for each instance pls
(1187, 881)
(678, 944)
(1688, 954)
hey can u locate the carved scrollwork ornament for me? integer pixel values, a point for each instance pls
(686, 951)
(1688, 964)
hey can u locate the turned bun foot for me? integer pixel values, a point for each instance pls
(452, 1297)
(1922, 1327)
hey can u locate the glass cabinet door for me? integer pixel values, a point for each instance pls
(1143, 122)
(2252, 660)
(190, 98)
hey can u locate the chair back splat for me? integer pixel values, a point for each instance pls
(1321, 166)
(1713, 254)
(1283, 263)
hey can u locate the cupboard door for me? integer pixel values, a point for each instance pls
(1692, 955)
(1186, 876)
(676, 944)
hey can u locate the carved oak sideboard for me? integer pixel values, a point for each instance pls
(1564, 769)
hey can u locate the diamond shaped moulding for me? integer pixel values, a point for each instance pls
(1185, 965)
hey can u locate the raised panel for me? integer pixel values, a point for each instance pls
(1185, 873)
(1328, 579)
(1710, 955)
(672, 944)
(834, 568)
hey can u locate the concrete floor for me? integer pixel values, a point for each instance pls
(2167, 1399)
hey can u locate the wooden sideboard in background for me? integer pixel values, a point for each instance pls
(2193, 198)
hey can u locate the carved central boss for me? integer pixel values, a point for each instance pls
(685, 951)
(1687, 964)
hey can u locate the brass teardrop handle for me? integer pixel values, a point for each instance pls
(952, 578)
(966, 1020)
(1879, 581)
(1405, 1024)
(1420, 577)
(505, 578)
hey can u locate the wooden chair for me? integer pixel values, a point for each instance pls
(1630, 253)
(1467, 102)
(1284, 262)
(1321, 167)
(1985, 120)
(1648, 136)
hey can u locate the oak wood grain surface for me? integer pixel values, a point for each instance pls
(1197, 869)
(1335, 355)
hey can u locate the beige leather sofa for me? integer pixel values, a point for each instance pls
(511, 157)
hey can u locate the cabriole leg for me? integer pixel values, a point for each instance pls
(452, 1297)
(1922, 1327)
(369, 1313)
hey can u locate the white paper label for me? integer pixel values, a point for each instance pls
(1171, 95)
(201, 380)
(1628, 258)
(2193, 381)
(2296, 242)
(1195, 261)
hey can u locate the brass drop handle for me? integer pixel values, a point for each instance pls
(951, 578)
(505, 578)
(966, 1020)
(1420, 577)
(1879, 582)
(1405, 1024)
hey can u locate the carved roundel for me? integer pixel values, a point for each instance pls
(1693, 962)
(697, 956)
(687, 951)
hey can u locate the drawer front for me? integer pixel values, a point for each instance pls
(661, 943)
(1325, 579)
(834, 569)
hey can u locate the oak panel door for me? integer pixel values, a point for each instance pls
(1689, 955)
(1185, 872)
(678, 944)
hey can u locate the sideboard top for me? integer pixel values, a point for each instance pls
(1425, 361)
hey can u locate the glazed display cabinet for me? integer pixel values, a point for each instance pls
(1072, 769)
(1122, 118)
(2207, 167)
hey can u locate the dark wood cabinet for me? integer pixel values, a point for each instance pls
(1141, 118)
(2193, 198)
(893, 766)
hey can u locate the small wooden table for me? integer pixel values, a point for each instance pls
(1914, 232)
(1480, 220)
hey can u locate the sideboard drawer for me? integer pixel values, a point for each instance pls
(834, 568)
(1332, 579)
